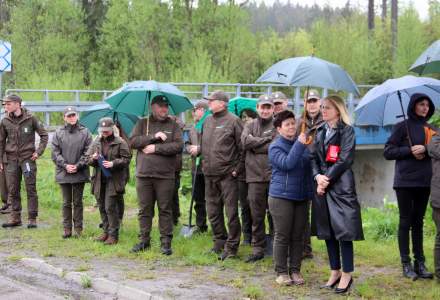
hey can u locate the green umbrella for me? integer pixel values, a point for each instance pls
(429, 61)
(135, 97)
(238, 104)
(92, 115)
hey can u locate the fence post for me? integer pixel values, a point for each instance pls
(350, 103)
(47, 114)
(238, 90)
(77, 97)
(269, 90)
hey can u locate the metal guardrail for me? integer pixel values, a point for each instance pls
(51, 101)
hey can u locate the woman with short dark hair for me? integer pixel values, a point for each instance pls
(290, 188)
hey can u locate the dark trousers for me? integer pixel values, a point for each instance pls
(199, 200)
(72, 196)
(121, 208)
(109, 209)
(307, 240)
(221, 193)
(337, 249)
(14, 173)
(436, 218)
(176, 206)
(289, 218)
(258, 193)
(246, 219)
(3, 186)
(150, 191)
(412, 204)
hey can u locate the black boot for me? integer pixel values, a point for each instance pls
(408, 271)
(421, 270)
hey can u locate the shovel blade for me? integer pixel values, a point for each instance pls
(187, 231)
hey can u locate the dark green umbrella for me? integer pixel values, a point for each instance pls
(92, 115)
(238, 104)
(135, 97)
(429, 61)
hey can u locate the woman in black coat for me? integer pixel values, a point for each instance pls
(412, 180)
(335, 209)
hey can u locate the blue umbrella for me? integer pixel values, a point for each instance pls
(135, 97)
(310, 71)
(93, 114)
(383, 106)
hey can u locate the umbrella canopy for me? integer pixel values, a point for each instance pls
(92, 115)
(310, 71)
(238, 104)
(135, 97)
(381, 105)
(429, 61)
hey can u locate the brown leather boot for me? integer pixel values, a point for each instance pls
(32, 223)
(102, 238)
(111, 241)
(78, 232)
(14, 221)
(67, 233)
(6, 209)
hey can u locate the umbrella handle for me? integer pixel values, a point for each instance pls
(404, 119)
(309, 139)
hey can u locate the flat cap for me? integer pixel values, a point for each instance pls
(218, 95)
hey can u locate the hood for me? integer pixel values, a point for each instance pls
(412, 104)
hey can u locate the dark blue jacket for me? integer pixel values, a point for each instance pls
(291, 176)
(410, 172)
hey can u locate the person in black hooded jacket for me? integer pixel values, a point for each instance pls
(412, 180)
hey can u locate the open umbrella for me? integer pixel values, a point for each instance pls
(387, 103)
(93, 114)
(238, 104)
(310, 71)
(135, 97)
(429, 61)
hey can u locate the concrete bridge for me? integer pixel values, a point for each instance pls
(374, 175)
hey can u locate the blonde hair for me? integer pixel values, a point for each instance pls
(339, 104)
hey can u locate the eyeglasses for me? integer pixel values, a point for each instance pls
(312, 100)
(71, 116)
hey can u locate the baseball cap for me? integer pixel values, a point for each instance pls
(313, 94)
(202, 104)
(106, 124)
(278, 97)
(265, 99)
(12, 98)
(160, 99)
(218, 95)
(69, 110)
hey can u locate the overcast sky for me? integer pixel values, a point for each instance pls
(420, 5)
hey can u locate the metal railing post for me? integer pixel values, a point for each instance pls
(238, 90)
(350, 104)
(47, 114)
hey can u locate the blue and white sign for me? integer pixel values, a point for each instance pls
(5, 56)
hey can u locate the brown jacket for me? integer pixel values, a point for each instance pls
(17, 136)
(434, 152)
(311, 124)
(256, 138)
(221, 144)
(119, 154)
(194, 138)
(162, 163)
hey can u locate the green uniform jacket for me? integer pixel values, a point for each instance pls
(119, 154)
(221, 145)
(17, 137)
(162, 163)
